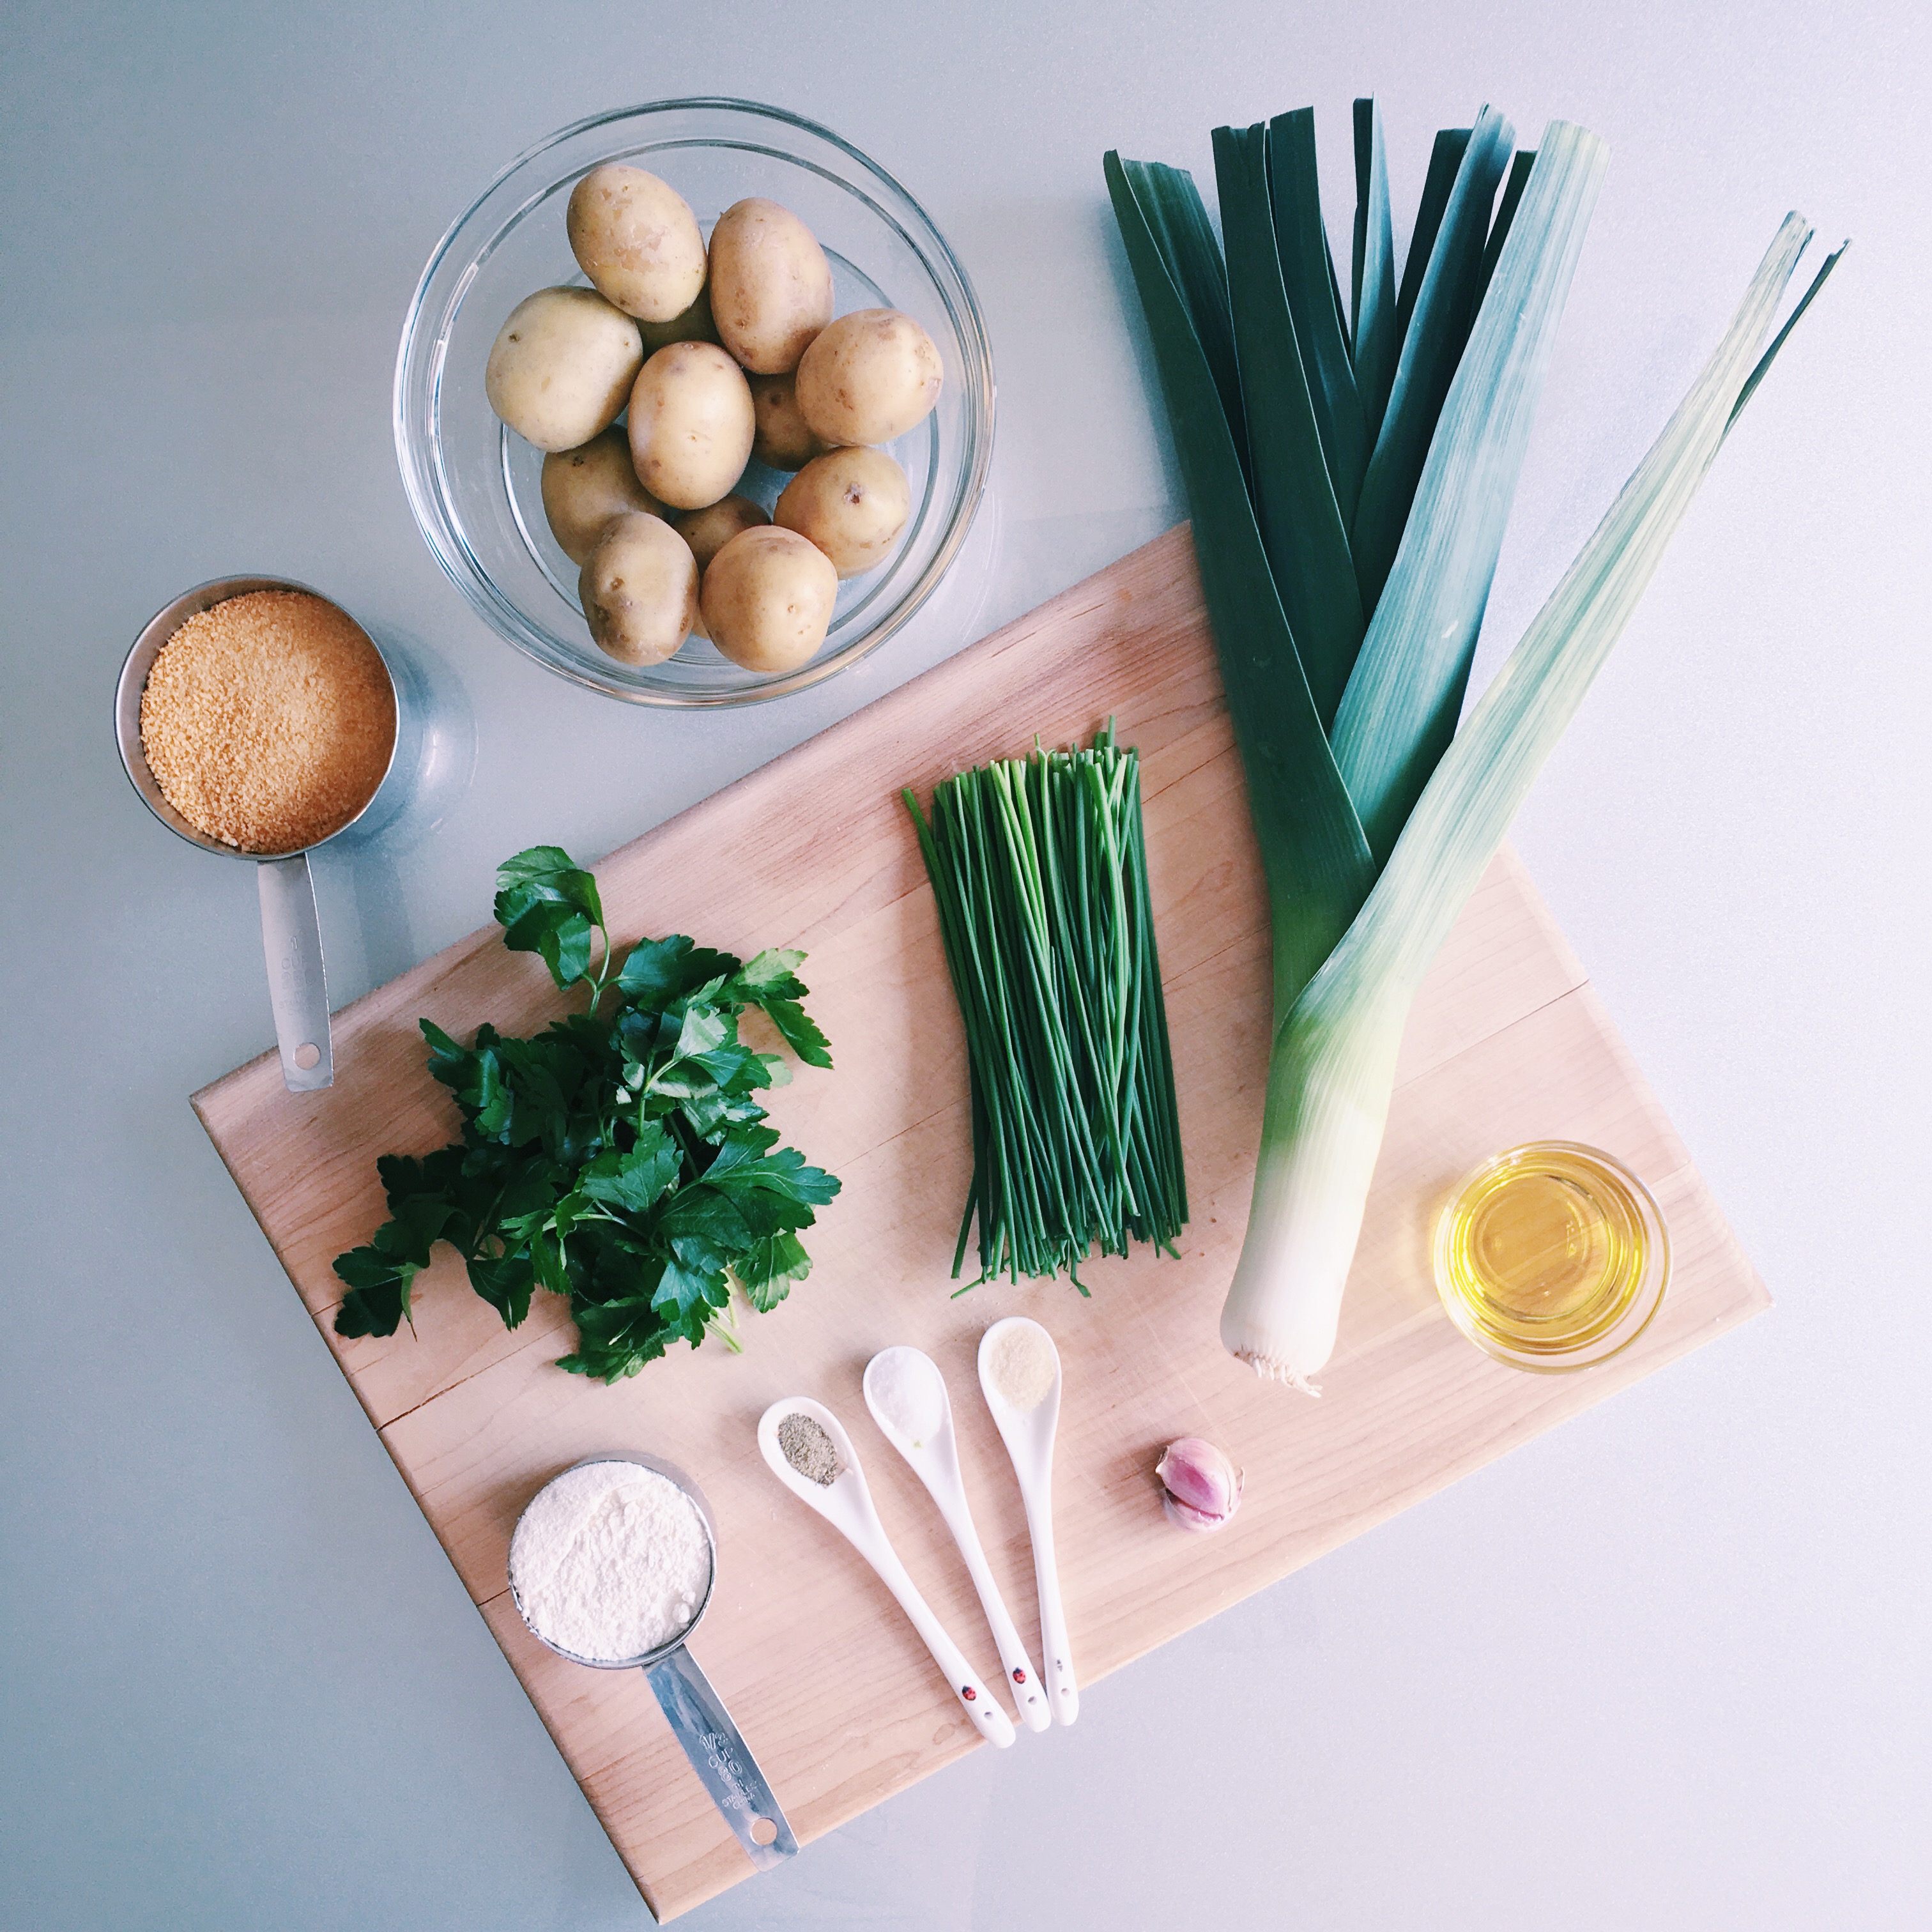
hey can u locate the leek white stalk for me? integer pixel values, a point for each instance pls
(1329, 1088)
(1333, 1065)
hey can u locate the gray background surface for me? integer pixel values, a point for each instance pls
(1669, 1666)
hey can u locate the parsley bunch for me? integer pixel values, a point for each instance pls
(618, 1157)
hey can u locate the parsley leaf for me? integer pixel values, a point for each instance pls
(547, 904)
(770, 980)
(618, 1158)
(799, 1030)
(657, 971)
(505, 1282)
(770, 974)
(634, 1181)
(766, 1269)
(616, 1339)
(378, 1292)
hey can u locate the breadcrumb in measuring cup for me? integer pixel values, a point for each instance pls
(267, 721)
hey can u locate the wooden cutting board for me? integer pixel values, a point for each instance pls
(831, 1689)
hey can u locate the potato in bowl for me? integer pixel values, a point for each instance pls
(473, 484)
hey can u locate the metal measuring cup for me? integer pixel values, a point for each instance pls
(696, 1713)
(291, 931)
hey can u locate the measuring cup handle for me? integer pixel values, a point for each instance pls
(291, 940)
(718, 1755)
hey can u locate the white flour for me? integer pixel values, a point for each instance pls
(911, 1395)
(611, 1561)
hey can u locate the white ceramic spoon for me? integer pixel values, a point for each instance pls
(1028, 1435)
(846, 1503)
(935, 1460)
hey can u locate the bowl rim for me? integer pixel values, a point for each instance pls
(441, 533)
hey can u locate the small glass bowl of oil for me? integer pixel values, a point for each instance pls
(1551, 1257)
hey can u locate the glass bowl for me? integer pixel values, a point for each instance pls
(473, 484)
(1552, 1256)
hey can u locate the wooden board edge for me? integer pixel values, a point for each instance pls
(196, 1100)
(318, 1317)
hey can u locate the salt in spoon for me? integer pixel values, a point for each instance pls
(846, 1503)
(933, 1458)
(1028, 1428)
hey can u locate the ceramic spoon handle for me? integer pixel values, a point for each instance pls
(1056, 1654)
(976, 1700)
(1029, 1695)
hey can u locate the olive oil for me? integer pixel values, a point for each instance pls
(1551, 1255)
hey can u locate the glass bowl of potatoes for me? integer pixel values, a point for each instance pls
(564, 401)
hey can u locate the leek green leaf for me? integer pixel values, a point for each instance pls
(1431, 348)
(1313, 850)
(1445, 158)
(1777, 341)
(1372, 316)
(1499, 228)
(1181, 224)
(1308, 274)
(1402, 702)
(1340, 307)
(1301, 526)
(1466, 809)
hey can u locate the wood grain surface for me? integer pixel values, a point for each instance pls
(832, 1690)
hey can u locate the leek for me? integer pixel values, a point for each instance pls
(1388, 774)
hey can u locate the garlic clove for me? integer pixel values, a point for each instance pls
(1185, 1516)
(1201, 1488)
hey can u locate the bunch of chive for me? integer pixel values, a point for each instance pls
(1040, 869)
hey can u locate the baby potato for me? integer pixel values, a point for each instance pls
(639, 589)
(583, 488)
(768, 598)
(561, 368)
(783, 440)
(693, 324)
(852, 503)
(637, 239)
(690, 424)
(710, 530)
(771, 286)
(868, 377)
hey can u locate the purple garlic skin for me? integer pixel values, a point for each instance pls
(1200, 1488)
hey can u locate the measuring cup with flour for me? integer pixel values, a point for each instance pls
(612, 1564)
